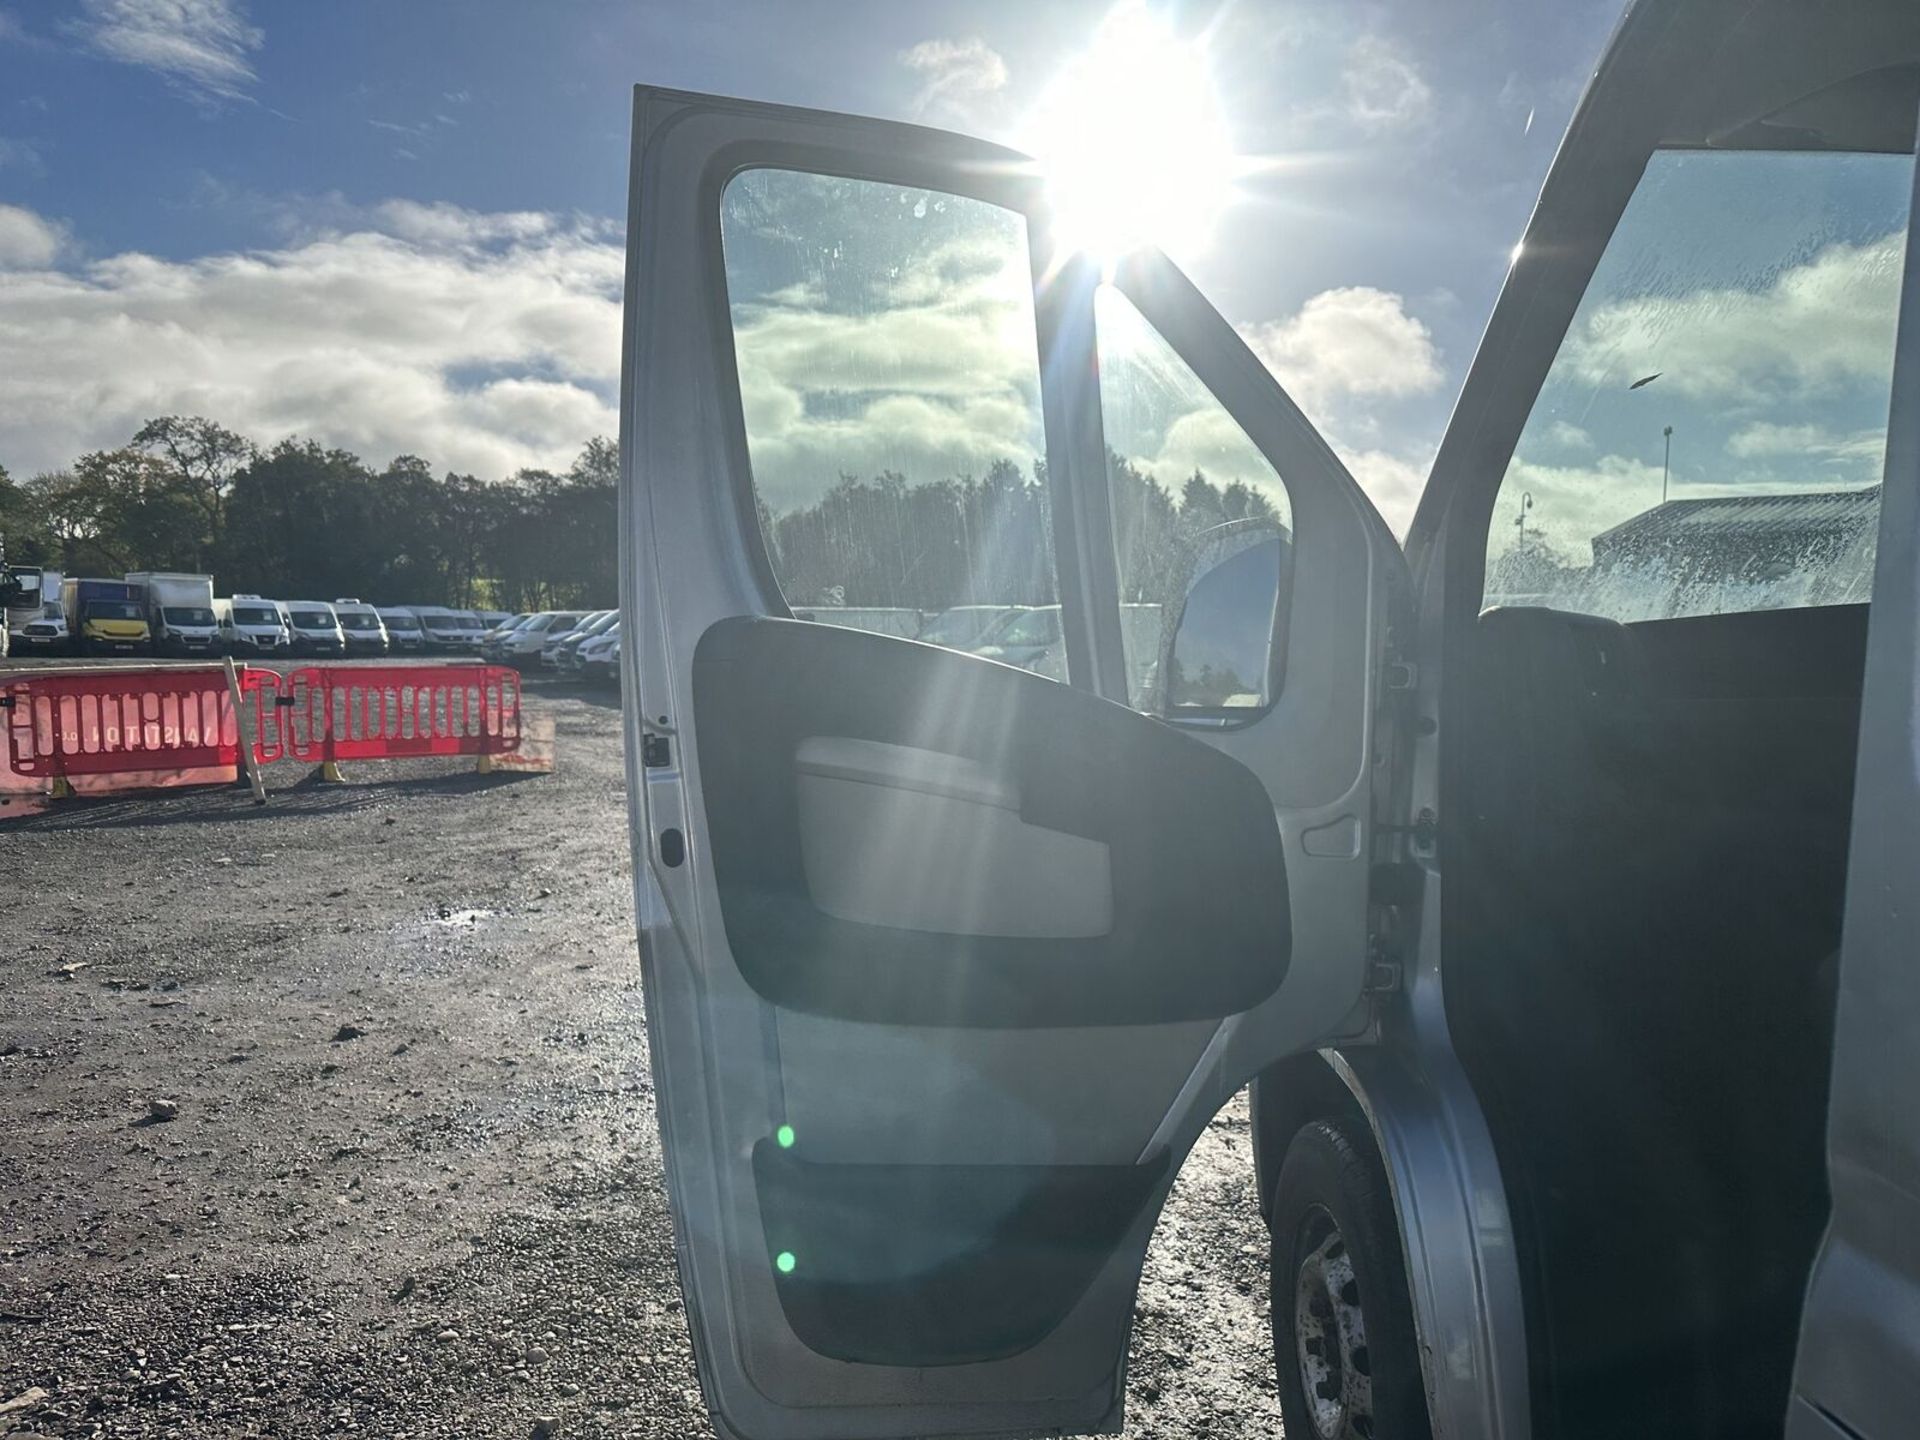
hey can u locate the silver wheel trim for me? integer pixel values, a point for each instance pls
(1330, 1334)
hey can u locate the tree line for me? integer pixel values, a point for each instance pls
(302, 519)
(885, 541)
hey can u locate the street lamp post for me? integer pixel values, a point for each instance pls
(1666, 464)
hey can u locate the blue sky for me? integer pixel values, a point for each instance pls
(398, 226)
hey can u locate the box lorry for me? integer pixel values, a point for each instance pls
(105, 615)
(179, 612)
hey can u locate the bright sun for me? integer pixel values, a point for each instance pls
(1132, 141)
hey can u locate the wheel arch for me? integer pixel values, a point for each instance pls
(1449, 1207)
(1283, 1098)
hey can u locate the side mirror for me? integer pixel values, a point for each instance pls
(1221, 654)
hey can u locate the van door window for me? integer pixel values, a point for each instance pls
(1188, 491)
(1711, 434)
(890, 388)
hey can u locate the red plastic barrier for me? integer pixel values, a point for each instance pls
(389, 712)
(68, 724)
(179, 723)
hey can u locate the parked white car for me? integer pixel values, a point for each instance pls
(522, 645)
(599, 658)
(560, 644)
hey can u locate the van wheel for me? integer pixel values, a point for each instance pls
(1343, 1336)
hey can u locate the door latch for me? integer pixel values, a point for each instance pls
(1424, 831)
(655, 752)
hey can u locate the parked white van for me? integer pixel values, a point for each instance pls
(404, 631)
(252, 625)
(366, 633)
(443, 629)
(316, 629)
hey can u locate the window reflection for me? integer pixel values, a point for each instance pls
(1711, 434)
(1182, 478)
(889, 379)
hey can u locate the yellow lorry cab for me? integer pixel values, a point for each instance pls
(106, 615)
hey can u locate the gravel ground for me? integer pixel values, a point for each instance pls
(334, 1117)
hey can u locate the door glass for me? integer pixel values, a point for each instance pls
(1711, 434)
(890, 384)
(1188, 489)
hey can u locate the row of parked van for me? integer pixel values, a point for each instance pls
(255, 625)
(160, 613)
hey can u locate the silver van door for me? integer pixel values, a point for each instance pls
(1857, 1371)
(948, 960)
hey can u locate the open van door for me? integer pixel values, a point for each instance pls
(948, 962)
(1857, 1370)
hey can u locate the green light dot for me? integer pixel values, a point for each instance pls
(785, 1261)
(785, 1136)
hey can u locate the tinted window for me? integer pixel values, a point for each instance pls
(890, 385)
(1711, 434)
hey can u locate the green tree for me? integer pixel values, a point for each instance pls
(120, 510)
(205, 455)
(305, 522)
(25, 527)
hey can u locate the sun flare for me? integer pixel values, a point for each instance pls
(1132, 141)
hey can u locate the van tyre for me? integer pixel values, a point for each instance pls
(1343, 1335)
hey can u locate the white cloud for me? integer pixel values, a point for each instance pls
(450, 226)
(1819, 326)
(934, 375)
(1766, 440)
(28, 241)
(1564, 435)
(1342, 350)
(1384, 89)
(1573, 503)
(1351, 341)
(1393, 482)
(955, 76)
(204, 47)
(21, 155)
(483, 342)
